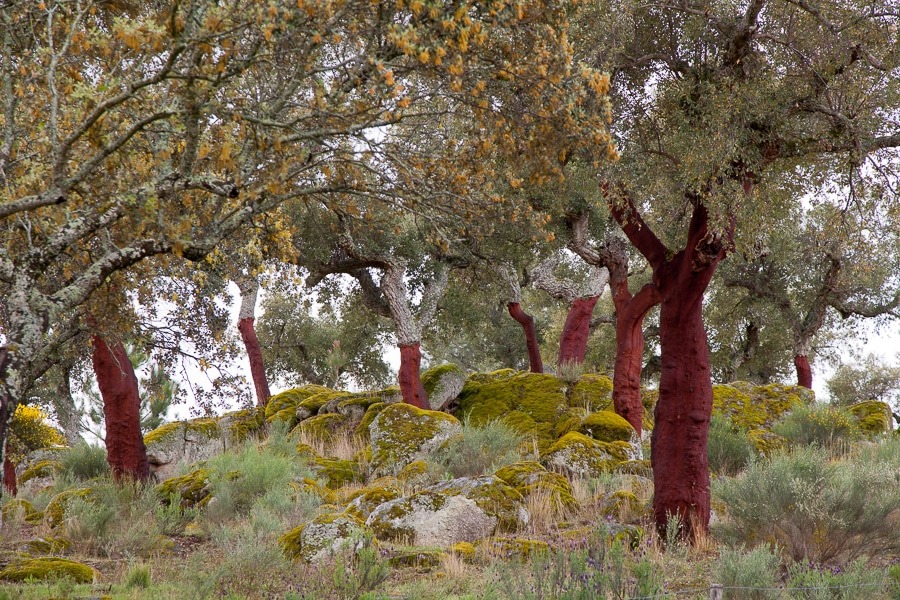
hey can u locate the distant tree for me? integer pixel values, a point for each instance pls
(873, 378)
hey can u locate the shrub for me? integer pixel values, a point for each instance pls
(854, 582)
(741, 570)
(83, 462)
(479, 449)
(813, 508)
(138, 576)
(820, 424)
(728, 448)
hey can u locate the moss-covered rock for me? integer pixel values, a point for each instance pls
(322, 537)
(531, 403)
(336, 472)
(492, 495)
(362, 429)
(512, 548)
(402, 433)
(635, 467)
(55, 511)
(363, 502)
(182, 442)
(310, 406)
(46, 545)
(321, 428)
(757, 406)
(465, 550)
(42, 469)
(579, 455)
(872, 417)
(443, 384)
(283, 406)
(592, 392)
(49, 568)
(416, 558)
(766, 442)
(193, 488)
(19, 508)
(607, 426)
(621, 504)
(314, 487)
(530, 477)
(241, 425)
(431, 519)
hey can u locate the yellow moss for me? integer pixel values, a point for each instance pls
(585, 456)
(55, 511)
(242, 424)
(311, 405)
(431, 377)
(321, 427)
(47, 545)
(621, 502)
(42, 468)
(757, 406)
(362, 429)
(307, 540)
(635, 467)
(607, 426)
(314, 488)
(283, 406)
(592, 392)
(364, 501)
(512, 548)
(766, 442)
(335, 472)
(464, 550)
(208, 427)
(872, 417)
(29, 430)
(404, 430)
(529, 477)
(19, 507)
(49, 568)
(192, 488)
(413, 472)
(491, 494)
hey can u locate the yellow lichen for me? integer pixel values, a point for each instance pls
(49, 568)
(607, 426)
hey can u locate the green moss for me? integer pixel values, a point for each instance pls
(635, 467)
(621, 502)
(283, 406)
(364, 501)
(23, 508)
(416, 558)
(311, 405)
(592, 392)
(607, 426)
(42, 468)
(757, 406)
(432, 377)
(55, 511)
(872, 417)
(323, 535)
(208, 427)
(362, 429)
(49, 568)
(401, 431)
(243, 424)
(335, 472)
(511, 548)
(464, 550)
(530, 477)
(47, 545)
(766, 442)
(193, 488)
(321, 427)
(587, 457)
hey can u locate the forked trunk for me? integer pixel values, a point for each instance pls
(577, 329)
(254, 353)
(411, 387)
(527, 323)
(630, 315)
(9, 477)
(804, 372)
(678, 454)
(125, 450)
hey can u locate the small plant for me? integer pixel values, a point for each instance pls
(813, 508)
(825, 425)
(138, 577)
(84, 462)
(853, 582)
(479, 450)
(360, 571)
(570, 371)
(728, 448)
(748, 575)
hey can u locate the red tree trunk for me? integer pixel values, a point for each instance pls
(125, 450)
(254, 353)
(573, 341)
(527, 323)
(410, 381)
(804, 372)
(630, 313)
(9, 477)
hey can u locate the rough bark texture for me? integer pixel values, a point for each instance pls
(576, 330)
(125, 450)
(804, 372)
(527, 323)
(678, 454)
(9, 477)
(249, 287)
(410, 381)
(630, 315)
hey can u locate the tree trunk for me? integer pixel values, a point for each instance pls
(249, 288)
(7, 407)
(527, 323)
(804, 372)
(573, 341)
(410, 381)
(678, 451)
(9, 476)
(630, 315)
(125, 450)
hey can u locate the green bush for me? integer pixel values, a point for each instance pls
(83, 462)
(742, 570)
(854, 582)
(825, 425)
(478, 450)
(728, 448)
(813, 508)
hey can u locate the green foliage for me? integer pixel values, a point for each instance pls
(360, 569)
(83, 462)
(741, 571)
(807, 581)
(138, 576)
(813, 508)
(728, 448)
(871, 379)
(479, 450)
(821, 424)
